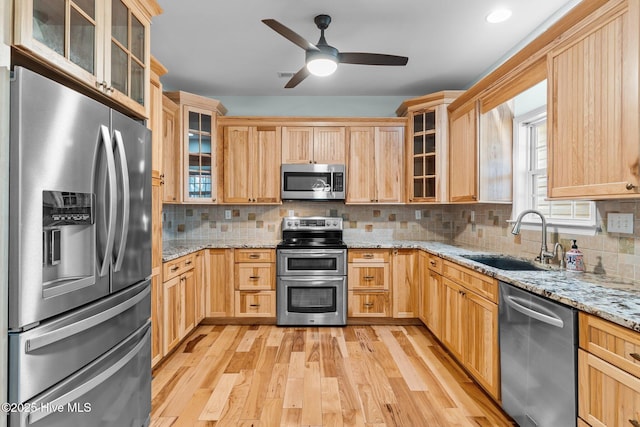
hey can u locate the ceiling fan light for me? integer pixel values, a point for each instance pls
(322, 65)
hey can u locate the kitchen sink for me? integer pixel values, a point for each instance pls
(503, 262)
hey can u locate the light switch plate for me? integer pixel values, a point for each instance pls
(291, 212)
(418, 214)
(227, 214)
(620, 223)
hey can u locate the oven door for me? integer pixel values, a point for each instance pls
(311, 301)
(312, 262)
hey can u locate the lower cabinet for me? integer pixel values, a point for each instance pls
(368, 304)
(219, 292)
(157, 319)
(405, 283)
(255, 303)
(254, 283)
(431, 292)
(369, 275)
(608, 374)
(178, 301)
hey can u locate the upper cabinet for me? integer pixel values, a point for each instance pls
(201, 159)
(594, 106)
(427, 146)
(102, 44)
(495, 154)
(171, 173)
(251, 164)
(462, 154)
(375, 164)
(308, 144)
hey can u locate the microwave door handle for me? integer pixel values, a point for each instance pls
(113, 199)
(126, 203)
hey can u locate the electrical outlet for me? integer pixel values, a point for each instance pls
(620, 223)
(291, 212)
(418, 214)
(227, 214)
(473, 216)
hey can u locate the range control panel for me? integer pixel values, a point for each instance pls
(311, 223)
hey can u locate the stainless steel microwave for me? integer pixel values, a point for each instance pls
(313, 182)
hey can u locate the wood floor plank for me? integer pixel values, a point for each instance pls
(362, 376)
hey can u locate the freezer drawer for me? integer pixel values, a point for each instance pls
(114, 391)
(45, 355)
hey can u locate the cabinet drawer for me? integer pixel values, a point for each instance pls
(484, 286)
(255, 276)
(615, 344)
(176, 267)
(368, 255)
(607, 396)
(255, 255)
(363, 304)
(255, 304)
(435, 263)
(369, 276)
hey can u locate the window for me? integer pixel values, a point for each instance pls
(530, 180)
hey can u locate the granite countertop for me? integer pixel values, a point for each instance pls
(606, 297)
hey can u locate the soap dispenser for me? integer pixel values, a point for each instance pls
(574, 258)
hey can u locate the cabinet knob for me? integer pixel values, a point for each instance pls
(254, 256)
(630, 186)
(367, 256)
(368, 304)
(635, 356)
(213, 200)
(254, 305)
(310, 161)
(368, 277)
(174, 268)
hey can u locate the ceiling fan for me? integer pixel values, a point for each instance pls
(323, 59)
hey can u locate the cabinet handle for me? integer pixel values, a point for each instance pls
(635, 356)
(310, 161)
(433, 263)
(630, 187)
(254, 277)
(367, 256)
(368, 304)
(187, 263)
(254, 256)
(213, 200)
(254, 305)
(174, 268)
(368, 277)
(634, 423)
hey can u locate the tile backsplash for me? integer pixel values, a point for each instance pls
(617, 255)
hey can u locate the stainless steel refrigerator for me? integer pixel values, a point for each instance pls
(79, 260)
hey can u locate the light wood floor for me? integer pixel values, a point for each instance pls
(268, 376)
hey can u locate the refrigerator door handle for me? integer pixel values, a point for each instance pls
(75, 328)
(126, 203)
(516, 304)
(113, 199)
(65, 400)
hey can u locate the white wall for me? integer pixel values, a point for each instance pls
(328, 106)
(5, 41)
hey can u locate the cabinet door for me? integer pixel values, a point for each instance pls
(157, 319)
(155, 117)
(452, 312)
(433, 303)
(171, 163)
(607, 396)
(219, 289)
(201, 274)
(188, 306)
(405, 283)
(594, 107)
(172, 302)
(361, 170)
(481, 354)
(255, 304)
(389, 164)
(329, 145)
(423, 271)
(200, 171)
(267, 146)
(462, 155)
(368, 304)
(255, 276)
(238, 164)
(156, 226)
(368, 276)
(297, 144)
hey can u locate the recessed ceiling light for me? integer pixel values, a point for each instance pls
(499, 15)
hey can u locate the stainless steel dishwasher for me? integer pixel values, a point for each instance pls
(538, 359)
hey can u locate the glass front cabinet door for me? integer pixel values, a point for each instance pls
(102, 44)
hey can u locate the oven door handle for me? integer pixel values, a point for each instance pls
(313, 279)
(312, 252)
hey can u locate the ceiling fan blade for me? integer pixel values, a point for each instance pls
(289, 34)
(372, 59)
(302, 74)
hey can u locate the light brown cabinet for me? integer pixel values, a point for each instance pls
(201, 274)
(463, 143)
(179, 300)
(219, 292)
(470, 323)
(103, 45)
(311, 144)
(431, 290)
(201, 153)
(171, 174)
(608, 373)
(369, 276)
(405, 283)
(427, 147)
(375, 165)
(157, 319)
(594, 104)
(254, 283)
(252, 164)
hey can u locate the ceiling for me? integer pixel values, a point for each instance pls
(221, 48)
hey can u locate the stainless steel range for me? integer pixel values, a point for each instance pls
(312, 272)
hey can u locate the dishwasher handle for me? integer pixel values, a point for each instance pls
(517, 304)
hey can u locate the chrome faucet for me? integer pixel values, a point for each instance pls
(544, 251)
(560, 255)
